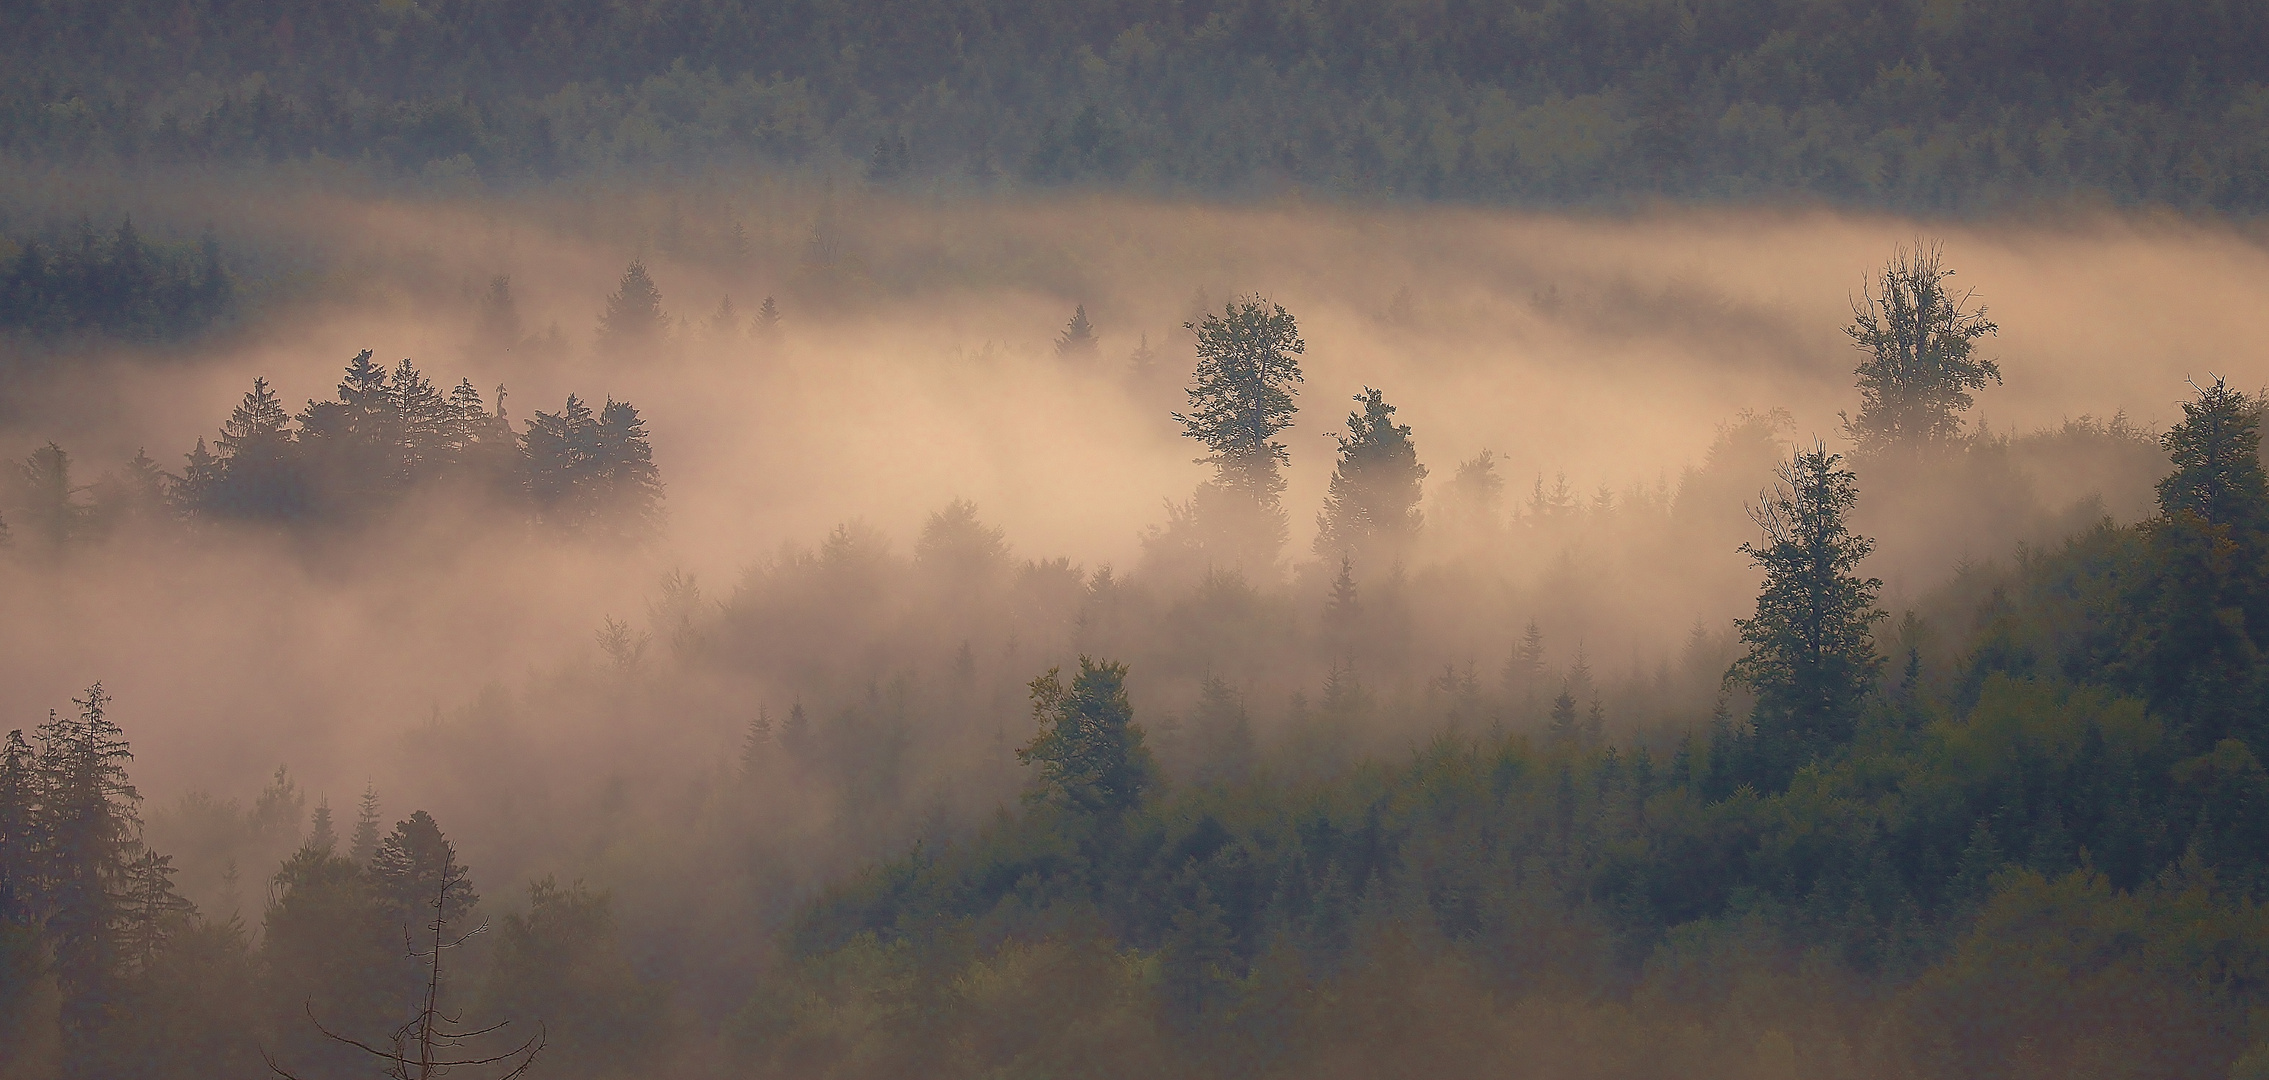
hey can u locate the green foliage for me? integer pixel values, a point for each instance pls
(1916, 380)
(1089, 751)
(1240, 399)
(120, 285)
(1811, 657)
(633, 323)
(560, 966)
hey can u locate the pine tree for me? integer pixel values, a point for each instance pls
(756, 744)
(767, 324)
(424, 450)
(364, 844)
(2209, 617)
(152, 913)
(1919, 371)
(1373, 504)
(1810, 655)
(47, 512)
(257, 471)
(725, 322)
(1089, 751)
(414, 865)
(1242, 398)
(1077, 342)
(628, 487)
(89, 826)
(633, 322)
(20, 843)
(321, 835)
(562, 453)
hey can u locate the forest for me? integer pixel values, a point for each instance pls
(1225, 538)
(1372, 797)
(1920, 105)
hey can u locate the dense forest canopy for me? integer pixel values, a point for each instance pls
(1935, 104)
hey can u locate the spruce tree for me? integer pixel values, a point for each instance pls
(633, 321)
(89, 828)
(364, 843)
(1373, 503)
(1919, 338)
(1241, 398)
(321, 835)
(415, 865)
(2209, 618)
(20, 844)
(767, 324)
(1089, 751)
(497, 327)
(1810, 655)
(627, 485)
(1077, 342)
(1223, 733)
(258, 468)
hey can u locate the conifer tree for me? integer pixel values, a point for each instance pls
(48, 513)
(20, 843)
(628, 486)
(1810, 655)
(2207, 624)
(1242, 397)
(258, 469)
(725, 322)
(1223, 733)
(1373, 503)
(767, 324)
(364, 844)
(1089, 751)
(1919, 338)
(321, 834)
(633, 321)
(152, 913)
(89, 827)
(1077, 342)
(416, 863)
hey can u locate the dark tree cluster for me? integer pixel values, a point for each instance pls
(120, 284)
(385, 436)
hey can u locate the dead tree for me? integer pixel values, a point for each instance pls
(416, 1044)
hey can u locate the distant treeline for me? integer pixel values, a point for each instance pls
(347, 460)
(121, 284)
(1910, 104)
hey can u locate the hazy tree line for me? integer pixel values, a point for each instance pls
(140, 983)
(2020, 834)
(1380, 813)
(385, 436)
(80, 281)
(1909, 104)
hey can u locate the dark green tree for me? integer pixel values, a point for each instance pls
(1241, 399)
(561, 965)
(257, 474)
(414, 865)
(1221, 733)
(1372, 508)
(2210, 613)
(1089, 751)
(364, 842)
(1810, 657)
(90, 829)
(1919, 338)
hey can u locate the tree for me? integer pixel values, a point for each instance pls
(767, 324)
(629, 486)
(561, 964)
(364, 843)
(960, 548)
(412, 863)
(633, 321)
(89, 829)
(1089, 751)
(1223, 734)
(1077, 342)
(2210, 612)
(1810, 656)
(1919, 371)
(1242, 398)
(257, 472)
(47, 510)
(1373, 503)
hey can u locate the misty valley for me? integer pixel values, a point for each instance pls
(1542, 539)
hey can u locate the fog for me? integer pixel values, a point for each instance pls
(915, 366)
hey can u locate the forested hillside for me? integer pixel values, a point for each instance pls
(1925, 105)
(1361, 804)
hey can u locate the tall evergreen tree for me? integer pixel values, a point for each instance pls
(633, 322)
(363, 845)
(414, 864)
(90, 828)
(20, 844)
(48, 512)
(258, 473)
(1242, 397)
(1077, 342)
(1373, 504)
(1919, 338)
(2209, 618)
(629, 486)
(497, 327)
(1810, 656)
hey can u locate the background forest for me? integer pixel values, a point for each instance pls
(1935, 104)
(1151, 541)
